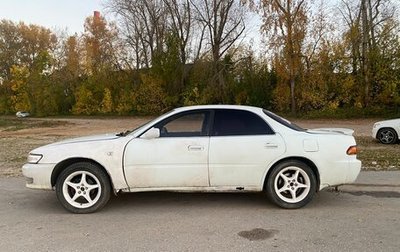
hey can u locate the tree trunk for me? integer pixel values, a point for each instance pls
(292, 97)
(365, 47)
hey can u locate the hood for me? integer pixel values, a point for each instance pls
(88, 139)
(341, 131)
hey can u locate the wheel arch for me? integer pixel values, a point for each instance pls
(294, 158)
(67, 162)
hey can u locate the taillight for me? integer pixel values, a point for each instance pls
(352, 150)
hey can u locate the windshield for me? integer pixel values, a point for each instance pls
(283, 121)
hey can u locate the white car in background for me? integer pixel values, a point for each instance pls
(210, 148)
(22, 114)
(387, 132)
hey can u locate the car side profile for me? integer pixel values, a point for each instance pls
(208, 148)
(387, 132)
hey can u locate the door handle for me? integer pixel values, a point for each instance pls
(195, 148)
(271, 145)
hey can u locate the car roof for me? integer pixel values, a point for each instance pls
(218, 106)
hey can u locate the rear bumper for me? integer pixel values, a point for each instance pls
(38, 176)
(353, 171)
(340, 172)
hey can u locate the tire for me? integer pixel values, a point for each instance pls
(387, 136)
(83, 188)
(291, 184)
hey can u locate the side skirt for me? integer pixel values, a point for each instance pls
(195, 189)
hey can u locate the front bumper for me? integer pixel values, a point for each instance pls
(374, 132)
(38, 176)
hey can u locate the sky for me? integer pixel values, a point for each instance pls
(70, 15)
(53, 14)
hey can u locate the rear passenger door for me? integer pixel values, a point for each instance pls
(242, 145)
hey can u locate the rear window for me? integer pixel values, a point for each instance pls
(283, 121)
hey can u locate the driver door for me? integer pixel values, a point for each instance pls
(177, 158)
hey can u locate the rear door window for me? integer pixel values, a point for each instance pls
(230, 122)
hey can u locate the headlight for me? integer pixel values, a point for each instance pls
(34, 158)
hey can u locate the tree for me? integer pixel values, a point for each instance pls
(85, 102)
(34, 41)
(369, 22)
(180, 24)
(144, 26)
(107, 103)
(150, 96)
(69, 72)
(26, 68)
(253, 81)
(224, 21)
(319, 81)
(19, 86)
(99, 39)
(285, 22)
(9, 47)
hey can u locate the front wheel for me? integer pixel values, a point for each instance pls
(83, 188)
(291, 184)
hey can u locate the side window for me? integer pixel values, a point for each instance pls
(192, 124)
(239, 123)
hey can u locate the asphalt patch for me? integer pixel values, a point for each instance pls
(258, 234)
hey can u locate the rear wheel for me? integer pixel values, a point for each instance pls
(291, 184)
(83, 188)
(387, 136)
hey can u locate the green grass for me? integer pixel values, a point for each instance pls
(376, 156)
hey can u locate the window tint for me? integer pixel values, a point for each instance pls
(239, 122)
(192, 124)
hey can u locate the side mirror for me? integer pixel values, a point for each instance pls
(151, 133)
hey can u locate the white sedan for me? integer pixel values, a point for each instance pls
(387, 132)
(211, 148)
(22, 114)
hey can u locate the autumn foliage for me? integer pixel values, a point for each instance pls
(161, 54)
